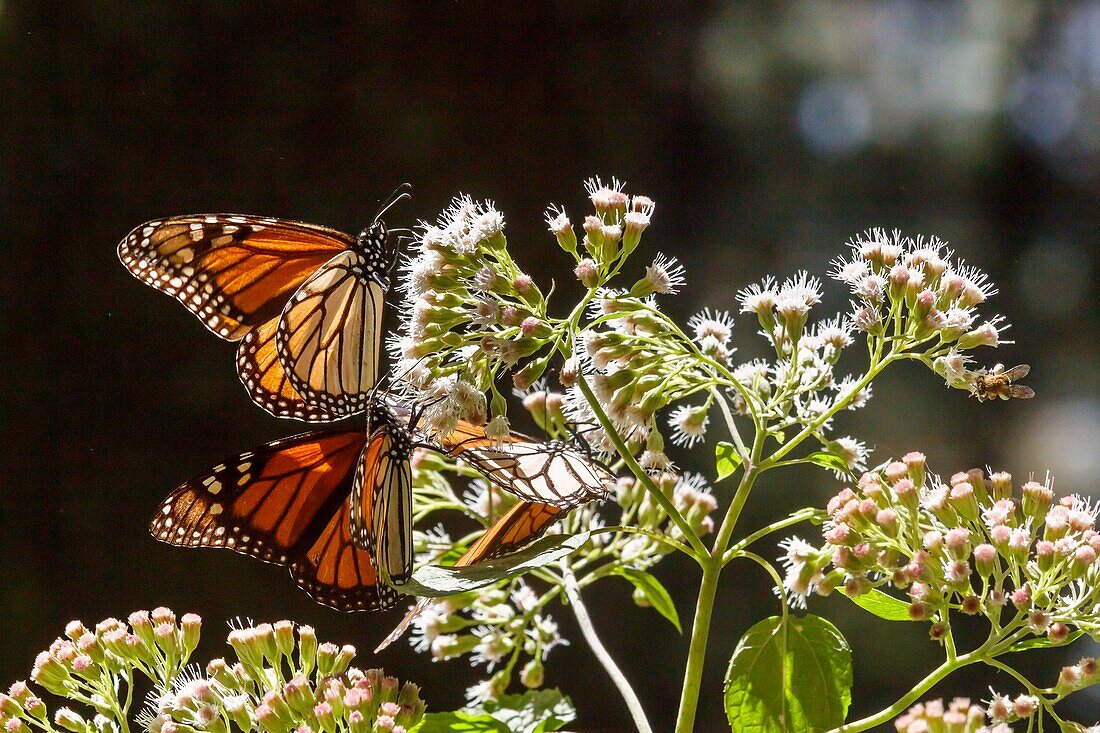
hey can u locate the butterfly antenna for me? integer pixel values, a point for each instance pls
(399, 194)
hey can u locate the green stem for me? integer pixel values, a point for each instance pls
(572, 591)
(873, 371)
(699, 549)
(801, 515)
(700, 630)
(905, 702)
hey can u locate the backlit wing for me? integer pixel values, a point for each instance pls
(330, 333)
(382, 500)
(267, 383)
(523, 523)
(233, 272)
(282, 503)
(550, 473)
(337, 573)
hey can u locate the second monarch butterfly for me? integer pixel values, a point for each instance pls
(305, 301)
(334, 505)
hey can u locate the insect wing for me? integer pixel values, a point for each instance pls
(234, 272)
(330, 335)
(1017, 372)
(543, 473)
(288, 503)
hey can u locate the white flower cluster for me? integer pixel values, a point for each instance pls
(913, 289)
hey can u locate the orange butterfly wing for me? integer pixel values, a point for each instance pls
(262, 374)
(288, 503)
(523, 523)
(552, 473)
(336, 573)
(233, 272)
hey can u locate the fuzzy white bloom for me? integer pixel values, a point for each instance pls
(855, 401)
(482, 692)
(497, 429)
(801, 288)
(689, 424)
(797, 583)
(716, 324)
(426, 627)
(665, 275)
(853, 452)
(524, 597)
(492, 646)
(556, 220)
(759, 297)
(850, 272)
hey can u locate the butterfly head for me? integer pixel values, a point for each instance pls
(375, 241)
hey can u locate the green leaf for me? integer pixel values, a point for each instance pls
(654, 592)
(535, 711)
(881, 604)
(435, 581)
(728, 459)
(1044, 642)
(460, 721)
(788, 677)
(829, 461)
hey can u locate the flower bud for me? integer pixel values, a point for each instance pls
(299, 694)
(343, 659)
(237, 708)
(190, 627)
(963, 500)
(562, 229)
(1037, 501)
(985, 559)
(70, 720)
(326, 658)
(907, 494)
(984, 335)
(976, 479)
(307, 649)
(532, 674)
(1000, 485)
(916, 463)
(635, 222)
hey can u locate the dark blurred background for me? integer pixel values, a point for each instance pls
(768, 133)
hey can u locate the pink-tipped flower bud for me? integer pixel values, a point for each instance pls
(984, 335)
(923, 304)
(985, 559)
(963, 500)
(190, 629)
(899, 278)
(1000, 485)
(1037, 500)
(888, 520)
(895, 471)
(1044, 555)
(587, 272)
(1025, 705)
(916, 463)
(1084, 557)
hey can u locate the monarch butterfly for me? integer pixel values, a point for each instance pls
(335, 505)
(523, 523)
(305, 301)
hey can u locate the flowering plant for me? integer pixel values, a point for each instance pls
(619, 380)
(630, 383)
